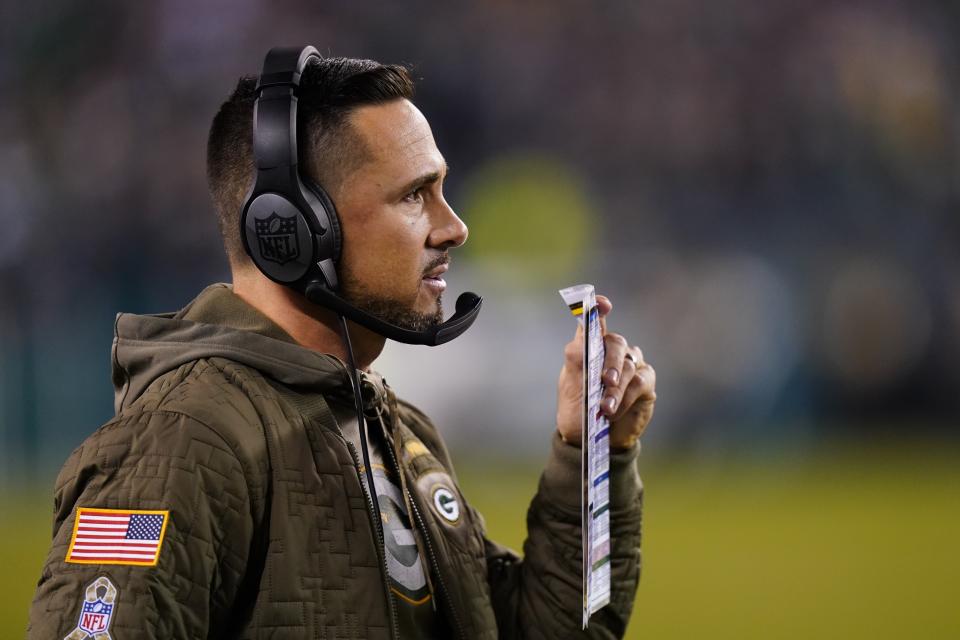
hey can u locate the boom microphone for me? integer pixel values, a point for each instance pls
(467, 309)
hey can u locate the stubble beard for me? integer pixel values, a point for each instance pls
(392, 311)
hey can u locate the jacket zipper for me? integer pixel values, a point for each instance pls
(436, 566)
(374, 513)
(418, 537)
(426, 537)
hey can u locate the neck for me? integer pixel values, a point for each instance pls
(311, 326)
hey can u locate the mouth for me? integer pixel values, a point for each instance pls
(434, 280)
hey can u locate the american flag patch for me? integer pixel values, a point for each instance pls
(117, 536)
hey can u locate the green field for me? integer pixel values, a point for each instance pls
(845, 545)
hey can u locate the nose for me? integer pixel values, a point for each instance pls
(449, 230)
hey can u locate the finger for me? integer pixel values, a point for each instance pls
(615, 351)
(604, 306)
(616, 348)
(642, 387)
(638, 391)
(632, 360)
(573, 353)
(578, 334)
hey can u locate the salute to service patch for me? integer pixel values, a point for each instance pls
(96, 612)
(117, 536)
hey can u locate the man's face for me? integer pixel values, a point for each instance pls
(396, 225)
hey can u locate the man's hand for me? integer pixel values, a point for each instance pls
(629, 387)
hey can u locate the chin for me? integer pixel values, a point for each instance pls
(432, 307)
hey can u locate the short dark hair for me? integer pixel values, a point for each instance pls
(329, 150)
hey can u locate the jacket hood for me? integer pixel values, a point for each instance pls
(219, 323)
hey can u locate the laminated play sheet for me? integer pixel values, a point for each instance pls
(595, 456)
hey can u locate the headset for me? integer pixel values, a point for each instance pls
(289, 224)
(291, 231)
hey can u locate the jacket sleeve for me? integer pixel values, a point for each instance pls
(156, 461)
(540, 595)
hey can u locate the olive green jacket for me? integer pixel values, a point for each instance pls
(224, 422)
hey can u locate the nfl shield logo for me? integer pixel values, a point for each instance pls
(278, 238)
(95, 617)
(100, 597)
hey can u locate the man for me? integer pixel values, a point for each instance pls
(227, 498)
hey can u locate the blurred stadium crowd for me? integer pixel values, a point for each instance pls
(768, 190)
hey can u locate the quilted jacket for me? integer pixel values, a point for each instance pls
(224, 423)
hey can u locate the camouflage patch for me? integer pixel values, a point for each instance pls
(96, 612)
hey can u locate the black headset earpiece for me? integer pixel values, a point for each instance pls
(289, 225)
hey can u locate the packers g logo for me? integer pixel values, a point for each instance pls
(446, 504)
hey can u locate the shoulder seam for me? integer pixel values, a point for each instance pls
(186, 368)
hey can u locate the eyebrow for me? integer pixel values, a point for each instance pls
(425, 179)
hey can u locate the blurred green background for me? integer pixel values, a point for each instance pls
(767, 189)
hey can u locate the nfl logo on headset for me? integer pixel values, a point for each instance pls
(95, 617)
(278, 238)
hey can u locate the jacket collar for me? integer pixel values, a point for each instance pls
(218, 323)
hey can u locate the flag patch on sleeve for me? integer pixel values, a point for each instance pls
(117, 536)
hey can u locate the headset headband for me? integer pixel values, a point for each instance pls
(275, 113)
